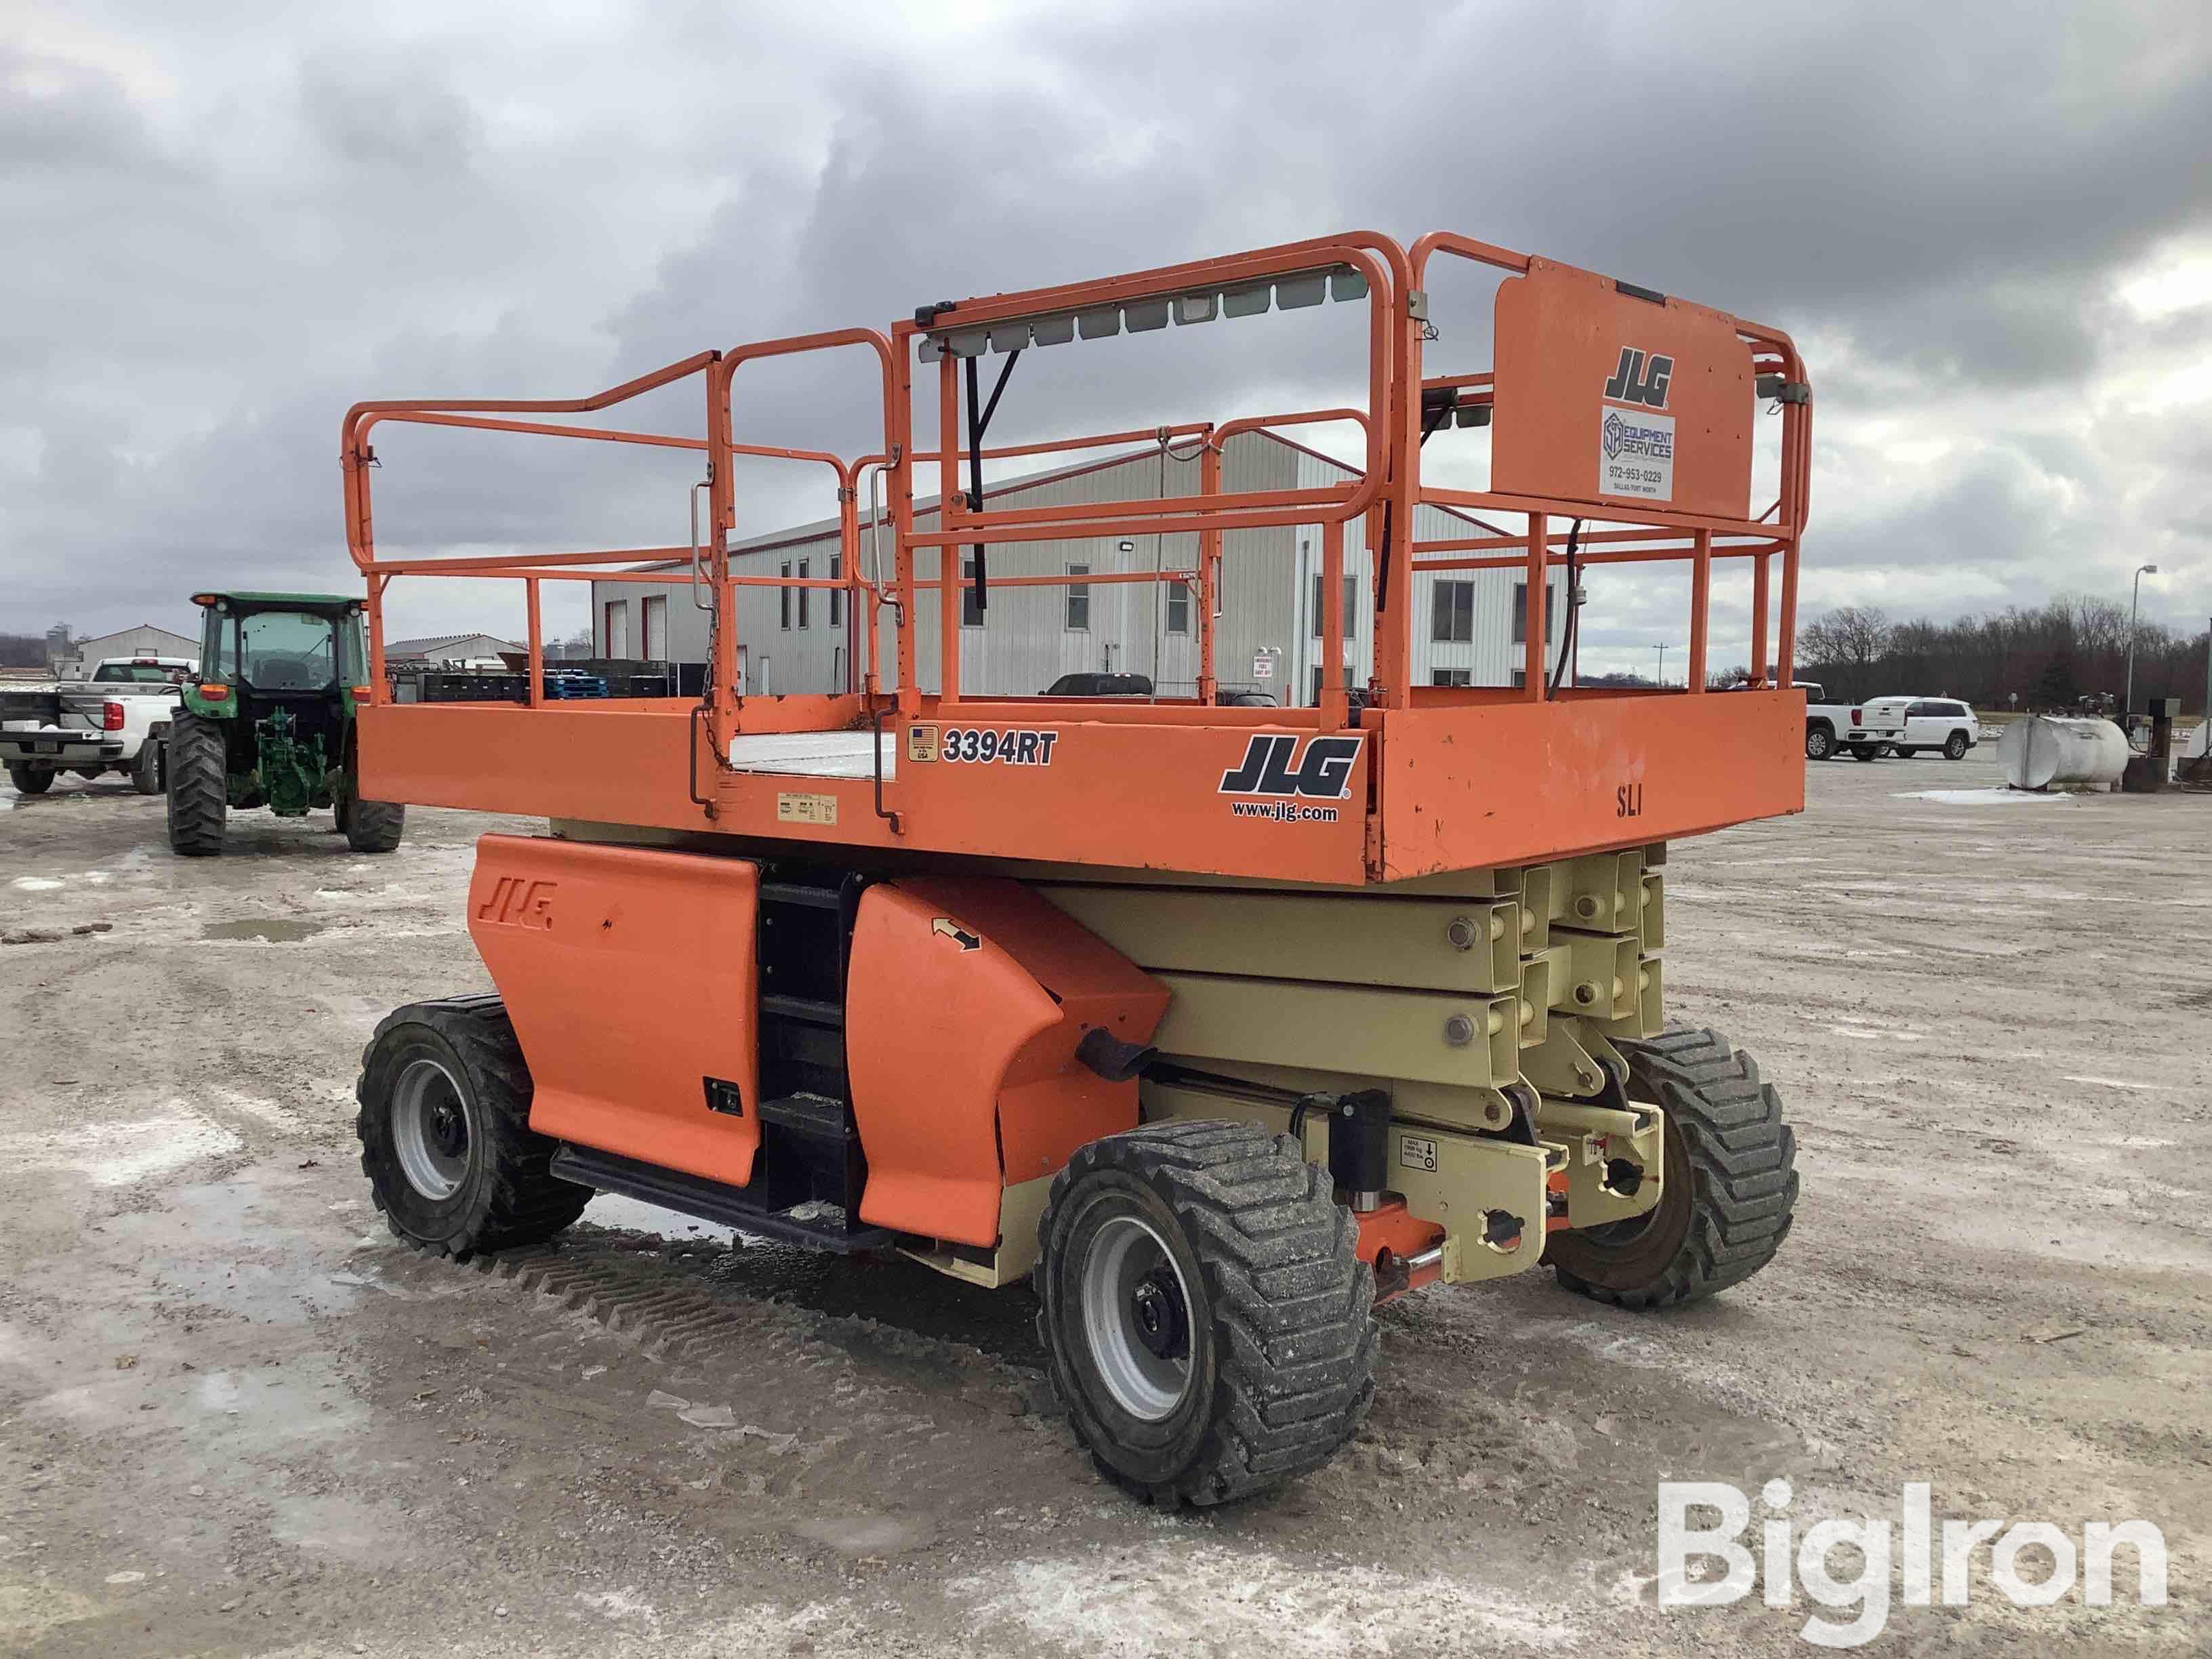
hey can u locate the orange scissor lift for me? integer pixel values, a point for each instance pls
(1220, 1024)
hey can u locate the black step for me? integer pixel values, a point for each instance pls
(808, 1011)
(791, 892)
(818, 1117)
(709, 1200)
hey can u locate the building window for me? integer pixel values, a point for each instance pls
(1451, 676)
(1520, 616)
(804, 593)
(617, 643)
(837, 594)
(1520, 678)
(656, 629)
(1351, 606)
(1452, 615)
(1178, 608)
(971, 614)
(783, 601)
(1078, 601)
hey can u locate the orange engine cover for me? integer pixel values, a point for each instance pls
(630, 977)
(963, 1004)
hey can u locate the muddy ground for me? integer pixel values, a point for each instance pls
(236, 1418)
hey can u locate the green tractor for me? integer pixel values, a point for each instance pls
(270, 722)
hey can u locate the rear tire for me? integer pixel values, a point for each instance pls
(31, 780)
(445, 1132)
(1819, 743)
(1955, 746)
(1864, 751)
(374, 826)
(147, 769)
(1208, 1321)
(1730, 1181)
(1906, 754)
(199, 800)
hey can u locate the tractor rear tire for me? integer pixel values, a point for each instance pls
(1730, 1181)
(445, 1132)
(1208, 1321)
(199, 789)
(374, 826)
(31, 780)
(147, 768)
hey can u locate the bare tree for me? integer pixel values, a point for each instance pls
(1846, 643)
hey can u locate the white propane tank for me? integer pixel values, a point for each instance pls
(2059, 751)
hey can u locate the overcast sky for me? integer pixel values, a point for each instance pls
(1989, 227)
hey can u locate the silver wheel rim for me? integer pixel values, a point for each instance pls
(1136, 1317)
(430, 1129)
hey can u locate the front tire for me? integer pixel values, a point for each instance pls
(31, 780)
(1906, 754)
(199, 797)
(445, 1132)
(374, 826)
(1208, 1321)
(1729, 1185)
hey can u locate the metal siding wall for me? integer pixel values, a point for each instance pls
(1265, 596)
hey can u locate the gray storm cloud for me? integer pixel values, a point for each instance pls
(1990, 228)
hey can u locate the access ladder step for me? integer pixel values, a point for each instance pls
(711, 1200)
(807, 1010)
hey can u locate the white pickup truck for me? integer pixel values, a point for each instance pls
(1864, 730)
(116, 721)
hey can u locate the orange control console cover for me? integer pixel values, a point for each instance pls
(963, 1005)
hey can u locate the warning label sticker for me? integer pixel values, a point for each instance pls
(1636, 455)
(806, 809)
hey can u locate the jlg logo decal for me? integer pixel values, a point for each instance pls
(1272, 766)
(1640, 379)
(515, 902)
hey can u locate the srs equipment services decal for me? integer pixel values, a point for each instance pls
(1635, 445)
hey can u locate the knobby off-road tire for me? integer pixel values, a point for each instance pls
(374, 826)
(445, 1132)
(1730, 1181)
(199, 798)
(1208, 1323)
(31, 780)
(147, 768)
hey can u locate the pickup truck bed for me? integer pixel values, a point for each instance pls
(84, 726)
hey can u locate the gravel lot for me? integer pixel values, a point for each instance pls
(236, 1418)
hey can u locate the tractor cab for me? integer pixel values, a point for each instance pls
(270, 722)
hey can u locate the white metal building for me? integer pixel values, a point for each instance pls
(449, 651)
(144, 640)
(1466, 629)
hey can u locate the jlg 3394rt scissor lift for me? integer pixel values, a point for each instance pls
(1218, 1023)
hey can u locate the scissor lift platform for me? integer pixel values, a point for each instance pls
(1219, 1023)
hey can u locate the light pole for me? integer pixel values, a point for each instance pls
(2128, 701)
(1661, 650)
